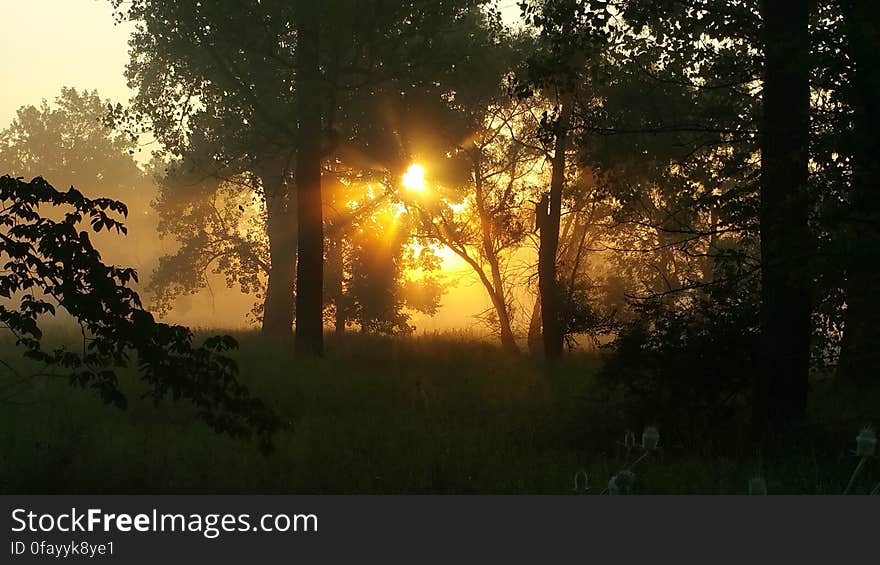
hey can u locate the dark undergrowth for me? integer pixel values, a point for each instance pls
(439, 414)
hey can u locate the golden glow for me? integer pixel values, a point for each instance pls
(414, 178)
(93, 54)
(458, 207)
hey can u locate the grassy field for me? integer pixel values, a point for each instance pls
(440, 414)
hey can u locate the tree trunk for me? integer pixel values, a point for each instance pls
(549, 218)
(781, 387)
(310, 256)
(535, 339)
(574, 253)
(278, 304)
(335, 275)
(339, 322)
(860, 350)
(496, 288)
(508, 341)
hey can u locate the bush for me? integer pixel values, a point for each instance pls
(686, 365)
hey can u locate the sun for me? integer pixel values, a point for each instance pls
(414, 178)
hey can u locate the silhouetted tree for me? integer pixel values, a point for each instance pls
(483, 220)
(571, 35)
(375, 277)
(860, 354)
(225, 113)
(786, 243)
(220, 227)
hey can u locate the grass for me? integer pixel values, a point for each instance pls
(440, 414)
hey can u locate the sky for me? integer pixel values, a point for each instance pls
(76, 43)
(47, 44)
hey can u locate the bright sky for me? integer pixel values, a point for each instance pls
(47, 44)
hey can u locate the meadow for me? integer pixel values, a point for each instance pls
(430, 414)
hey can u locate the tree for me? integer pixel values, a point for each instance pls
(708, 49)
(281, 223)
(786, 242)
(221, 229)
(375, 273)
(549, 214)
(310, 214)
(222, 110)
(483, 220)
(570, 34)
(387, 67)
(68, 143)
(860, 349)
(380, 281)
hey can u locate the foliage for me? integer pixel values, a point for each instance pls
(68, 143)
(483, 217)
(219, 226)
(376, 277)
(698, 352)
(52, 264)
(583, 312)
